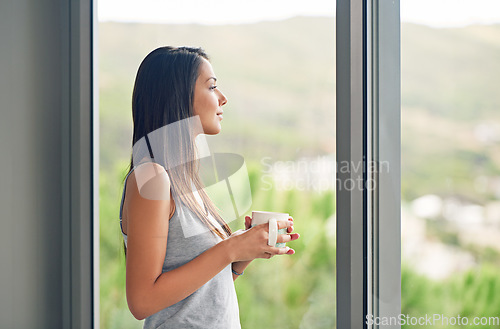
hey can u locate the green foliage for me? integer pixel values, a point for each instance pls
(472, 294)
(281, 104)
(282, 292)
(449, 86)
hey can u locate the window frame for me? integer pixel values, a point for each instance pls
(384, 84)
(80, 163)
(368, 133)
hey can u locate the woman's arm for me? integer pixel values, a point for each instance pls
(148, 289)
(239, 267)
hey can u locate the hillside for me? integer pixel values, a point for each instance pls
(280, 81)
(450, 100)
(278, 77)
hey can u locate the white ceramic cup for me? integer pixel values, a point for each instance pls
(262, 217)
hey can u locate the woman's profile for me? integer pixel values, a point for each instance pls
(181, 256)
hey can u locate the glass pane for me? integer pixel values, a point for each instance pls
(275, 63)
(450, 54)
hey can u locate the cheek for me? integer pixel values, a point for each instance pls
(206, 105)
(212, 102)
(199, 107)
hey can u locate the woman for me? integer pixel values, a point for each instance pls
(178, 275)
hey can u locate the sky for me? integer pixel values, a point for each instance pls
(435, 13)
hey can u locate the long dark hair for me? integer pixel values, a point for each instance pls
(163, 95)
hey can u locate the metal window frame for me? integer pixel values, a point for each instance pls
(80, 149)
(368, 133)
(350, 146)
(385, 110)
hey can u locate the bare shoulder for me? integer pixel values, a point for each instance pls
(147, 195)
(151, 181)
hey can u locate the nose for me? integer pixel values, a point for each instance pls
(222, 98)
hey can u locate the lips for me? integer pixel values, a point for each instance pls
(219, 114)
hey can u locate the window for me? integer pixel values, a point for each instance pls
(278, 74)
(449, 182)
(450, 169)
(368, 219)
(448, 201)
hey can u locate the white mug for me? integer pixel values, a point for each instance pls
(262, 217)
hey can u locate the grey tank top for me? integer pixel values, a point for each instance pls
(215, 304)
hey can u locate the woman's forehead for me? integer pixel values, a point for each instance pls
(206, 69)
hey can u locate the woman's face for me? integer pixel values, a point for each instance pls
(208, 99)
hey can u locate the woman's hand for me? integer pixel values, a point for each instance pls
(251, 243)
(294, 236)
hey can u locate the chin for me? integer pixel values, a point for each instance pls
(213, 130)
(217, 131)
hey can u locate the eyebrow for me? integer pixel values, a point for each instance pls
(215, 79)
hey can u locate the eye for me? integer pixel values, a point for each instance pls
(212, 87)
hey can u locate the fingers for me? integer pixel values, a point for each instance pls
(248, 222)
(285, 224)
(290, 228)
(262, 230)
(279, 251)
(284, 238)
(265, 227)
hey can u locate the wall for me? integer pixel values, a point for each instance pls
(36, 276)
